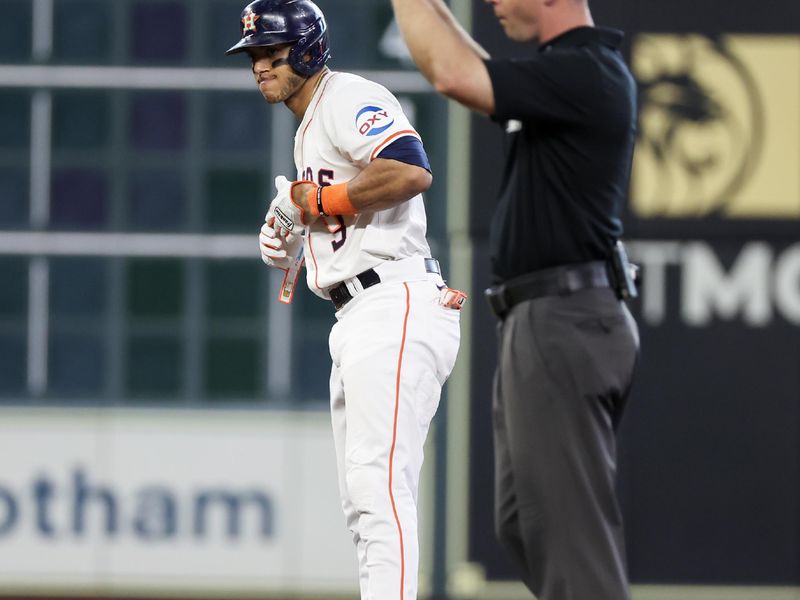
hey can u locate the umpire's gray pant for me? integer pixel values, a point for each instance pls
(564, 370)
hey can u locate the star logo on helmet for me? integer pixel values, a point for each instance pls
(249, 21)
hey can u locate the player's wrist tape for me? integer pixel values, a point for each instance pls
(331, 200)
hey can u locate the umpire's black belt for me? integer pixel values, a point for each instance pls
(556, 281)
(341, 295)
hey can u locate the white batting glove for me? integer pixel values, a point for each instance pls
(289, 217)
(277, 251)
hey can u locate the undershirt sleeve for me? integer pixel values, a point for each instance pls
(409, 150)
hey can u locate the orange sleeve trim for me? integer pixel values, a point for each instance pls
(389, 139)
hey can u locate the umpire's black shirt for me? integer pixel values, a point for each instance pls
(568, 165)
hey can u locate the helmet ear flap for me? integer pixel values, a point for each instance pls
(313, 43)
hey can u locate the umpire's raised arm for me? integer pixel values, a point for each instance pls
(445, 54)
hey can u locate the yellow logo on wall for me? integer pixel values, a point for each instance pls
(719, 126)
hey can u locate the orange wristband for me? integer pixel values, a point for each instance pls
(334, 200)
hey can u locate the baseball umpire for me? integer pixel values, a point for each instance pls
(567, 343)
(356, 213)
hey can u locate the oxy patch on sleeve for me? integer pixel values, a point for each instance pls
(373, 120)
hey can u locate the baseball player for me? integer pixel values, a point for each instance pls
(355, 215)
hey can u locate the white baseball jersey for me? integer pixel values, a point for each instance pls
(393, 345)
(349, 121)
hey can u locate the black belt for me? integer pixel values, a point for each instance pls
(340, 295)
(556, 281)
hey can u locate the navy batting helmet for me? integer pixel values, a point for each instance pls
(298, 22)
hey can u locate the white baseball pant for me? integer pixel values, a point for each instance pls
(393, 346)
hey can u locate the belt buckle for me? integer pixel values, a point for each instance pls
(569, 281)
(498, 300)
(432, 266)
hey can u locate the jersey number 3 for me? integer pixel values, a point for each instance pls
(324, 177)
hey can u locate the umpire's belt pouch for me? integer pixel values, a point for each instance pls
(623, 273)
(496, 297)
